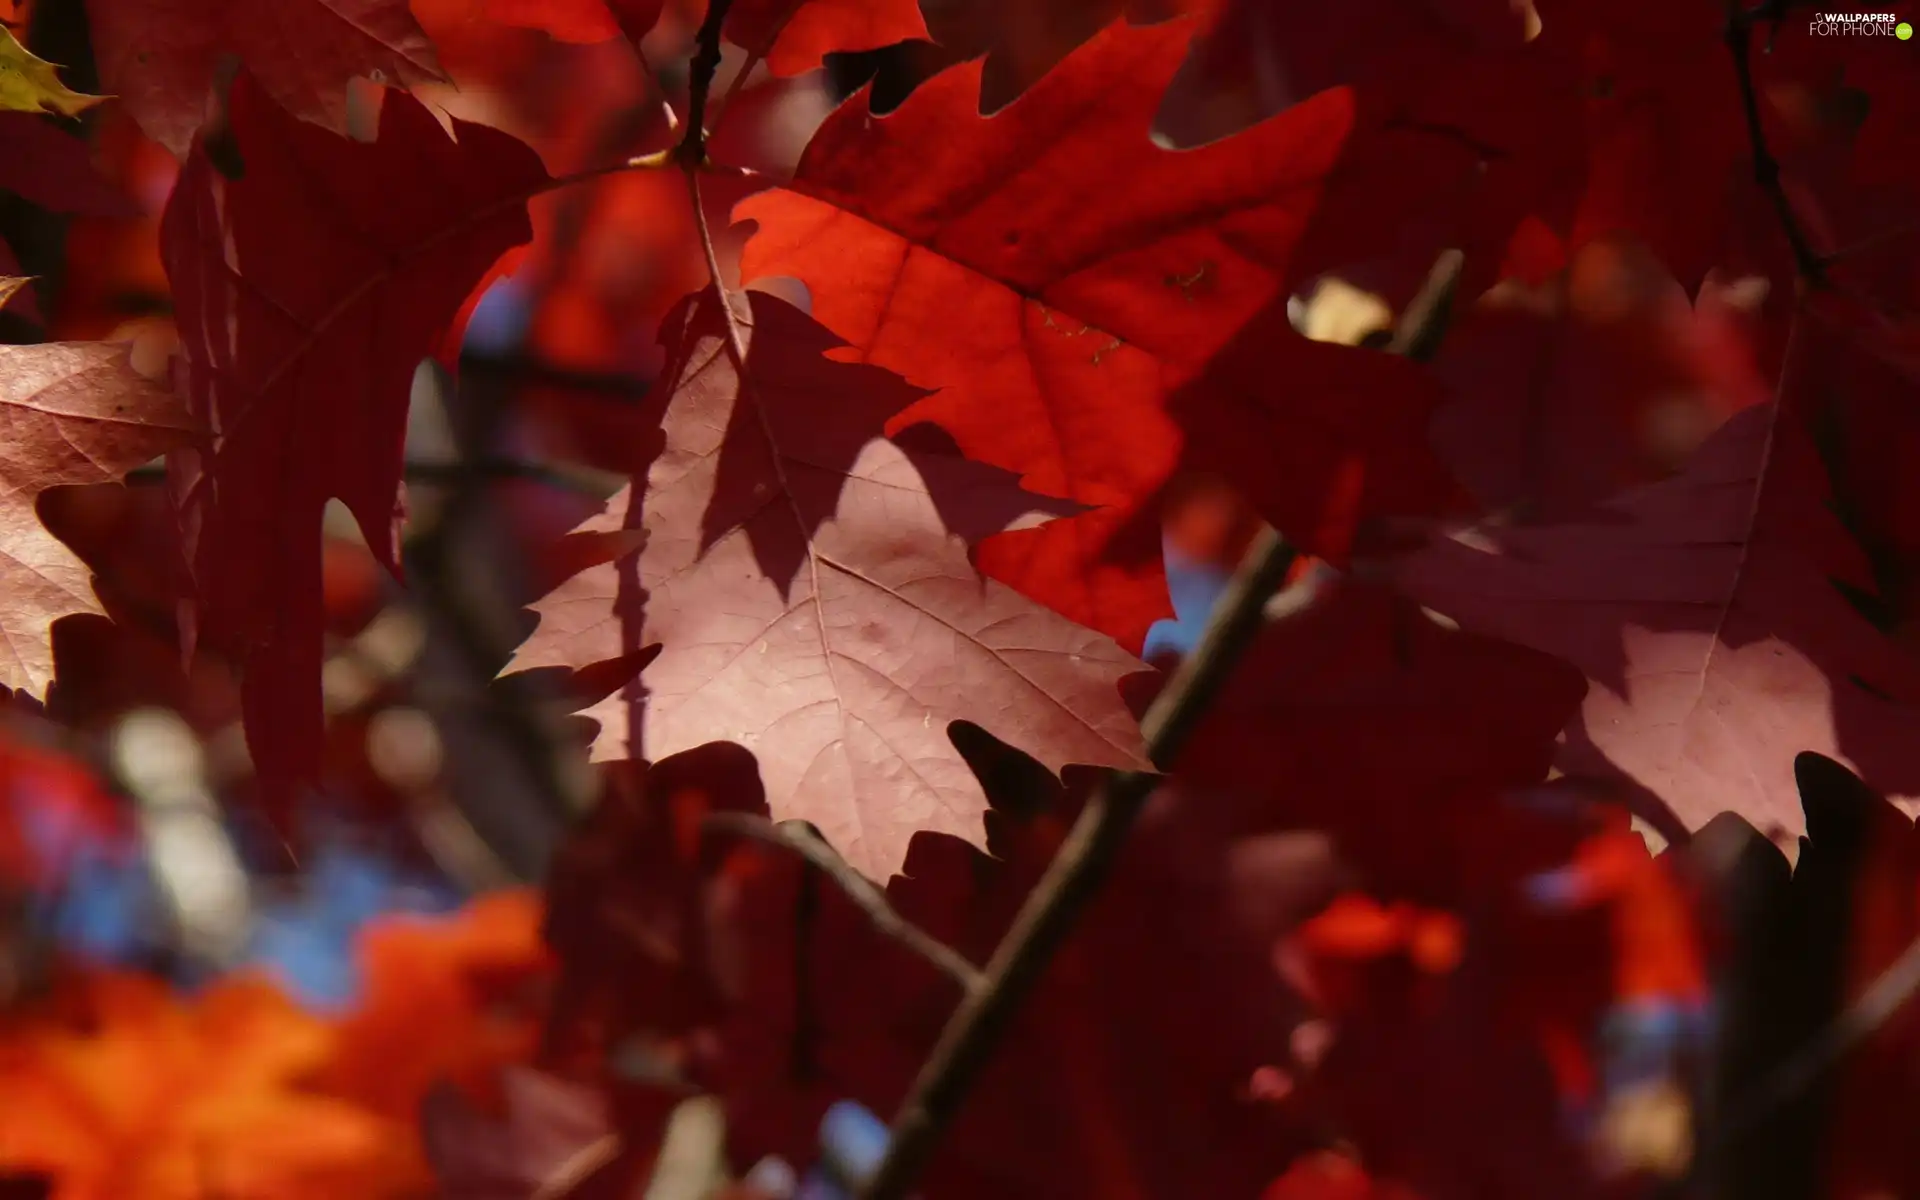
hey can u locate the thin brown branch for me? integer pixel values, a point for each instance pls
(692, 150)
(755, 56)
(1072, 878)
(1766, 168)
(1084, 860)
(795, 836)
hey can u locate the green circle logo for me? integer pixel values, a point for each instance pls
(1903, 31)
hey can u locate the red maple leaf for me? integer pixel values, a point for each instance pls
(1259, 57)
(1637, 124)
(308, 289)
(1364, 717)
(1666, 144)
(1602, 378)
(75, 412)
(1440, 1082)
(1022, 40)
(1056, 274)
(1843, 928)
(1708, 613)
(1870, 446)
(808, 583)
(49, 167)
(584, 21)
(796, 35)
(162, 57)
(791, 36)
(1084, 1099)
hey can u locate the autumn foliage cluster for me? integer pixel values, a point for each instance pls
(826, 390)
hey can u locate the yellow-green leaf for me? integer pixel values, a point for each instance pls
(29, 84)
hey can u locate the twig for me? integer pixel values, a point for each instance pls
(1074, 875)
(1085, 858)
(868, 898)
(755, 56)
(692, 151)
(1766, 168)
(693, 161)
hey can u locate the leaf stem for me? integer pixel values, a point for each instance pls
(736, 340)
(1086, 857)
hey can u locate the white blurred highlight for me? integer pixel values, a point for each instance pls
(194, 864)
